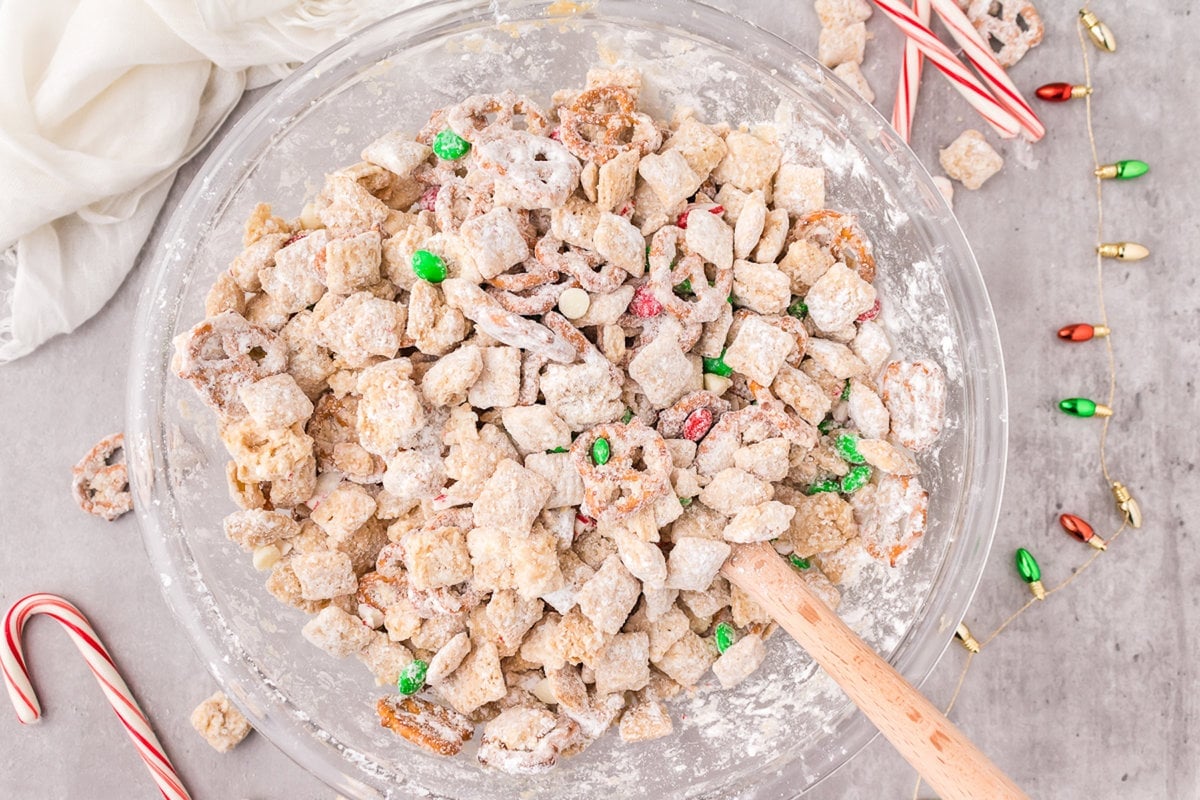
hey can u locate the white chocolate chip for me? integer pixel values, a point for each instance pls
(574, 303)
(266, 556)
(370, 615)
(543, 692)
(717, 384)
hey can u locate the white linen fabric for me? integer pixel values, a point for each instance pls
(100, 103)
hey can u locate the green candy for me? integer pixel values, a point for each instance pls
(846, 391)
(847, 448)
(429, 266)
(449, 146)
(856, 479)
(724, 636)
(798, 309)
(600, 451)
(826, 425)
(685, 501)
(717, 366)
(412, 677)
(685, 287)
(627, 416)
(559, 449)
(823, 486)
(798, 562)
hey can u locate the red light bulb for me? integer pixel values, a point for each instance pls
(1061, 92)
(1081, 332)
(1082, 531)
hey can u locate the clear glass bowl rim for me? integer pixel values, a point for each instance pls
(271, 715)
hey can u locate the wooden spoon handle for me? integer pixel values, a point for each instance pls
(938, 750)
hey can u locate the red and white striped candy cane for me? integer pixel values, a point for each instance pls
(20, 690)
(905, 108)
(981, 57)
(960, 77)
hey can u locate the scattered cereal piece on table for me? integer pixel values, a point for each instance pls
(220, 723)
(970, 160)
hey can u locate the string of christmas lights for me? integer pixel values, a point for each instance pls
(1027, 567)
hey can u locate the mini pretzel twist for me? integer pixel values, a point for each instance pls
(620, 487)
(842, 235)
(580, 265)
(604, 122)
(668, 269)
(470, 118)
(671, 421)
(225, 352)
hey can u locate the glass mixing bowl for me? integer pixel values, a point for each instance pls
(776, 734)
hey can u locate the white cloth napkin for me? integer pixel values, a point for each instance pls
(100, 102)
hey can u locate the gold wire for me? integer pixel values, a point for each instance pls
(1108, 344)
(1112, 388)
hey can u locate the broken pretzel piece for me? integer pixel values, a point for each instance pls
(100, 481)
(436, 728)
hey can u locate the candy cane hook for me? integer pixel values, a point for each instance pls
(24, 700)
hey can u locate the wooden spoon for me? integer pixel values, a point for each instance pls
(939, 751)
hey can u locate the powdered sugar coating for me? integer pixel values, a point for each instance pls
(739, 391)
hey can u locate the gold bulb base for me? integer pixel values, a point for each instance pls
(1080, 91)
(1123, 251)
(1100, 34)
(1039, 591)
(1103, 410)
(969, 642)
(1127, 505)
(1098, 543)
(1107, 172)
(1100, 331)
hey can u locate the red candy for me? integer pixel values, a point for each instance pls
(584, 519)
(869, 314)
(429, 198)
(682, 221)
(644, 304)
(555, 135)
(295, 237)
(697, 424)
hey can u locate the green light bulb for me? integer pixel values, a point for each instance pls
(1083, 407)
(1027, 566)
(1030, 572)
(1131, 168)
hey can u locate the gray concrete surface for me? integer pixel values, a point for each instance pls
(1090, 696)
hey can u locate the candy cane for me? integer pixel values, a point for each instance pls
(20, 690)
(905, 107)
(960, 77)
(981, 57)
